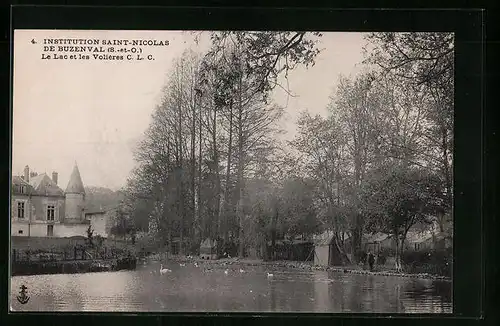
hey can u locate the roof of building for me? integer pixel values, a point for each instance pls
(75, 184)
(44, 185)
(418, 237)
(208, 243)
(323, 239)
(377, 237)
(428, 237)
(18, 181)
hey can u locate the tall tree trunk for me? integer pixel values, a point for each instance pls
(193, 164)
(357, 232)
(228, 172)
(180, 179)
(273, 235)
(398, 251)
(240, 171)
(200, 161)
(400, 241)
(217, 175)
(446, 167)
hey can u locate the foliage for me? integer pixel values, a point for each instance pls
(123, 225)
(269, 54)
(211, 164)
(381, 258)
(431, 261)
(361, 256)
(424, 58)
(101, 198)
(90, 236)
(387, 252)
(424, 64)
(397, 196)
(99, 241)
(212, 132)
(299, 208)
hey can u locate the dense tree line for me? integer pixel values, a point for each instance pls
(210, 164)
(100, 198)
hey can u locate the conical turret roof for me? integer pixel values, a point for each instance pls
(75, 184)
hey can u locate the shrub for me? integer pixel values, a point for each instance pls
(387, 252)
(360, 256)
(99, 240)
(381, 258)
(194, 249)
(429, 261)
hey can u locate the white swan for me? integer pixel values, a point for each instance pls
(164, 270)
(226, 272)
(270, 275)
(242, 271)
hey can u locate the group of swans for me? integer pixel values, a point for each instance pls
(227, 271)
(166, 270)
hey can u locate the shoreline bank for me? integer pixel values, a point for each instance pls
(28, 268)
(224, 262)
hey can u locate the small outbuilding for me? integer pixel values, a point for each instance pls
(326, 252)
(296, 250)
(429, 240)
(208, 249)
(375, 242)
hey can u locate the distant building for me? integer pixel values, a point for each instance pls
(208, 249)
(40, 208)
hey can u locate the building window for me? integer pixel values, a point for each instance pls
(20, 231)
(50, 230)
(20, 209)
(51, 209)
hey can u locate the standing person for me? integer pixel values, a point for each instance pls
(371, 260)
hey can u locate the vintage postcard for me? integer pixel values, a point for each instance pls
(232, 171)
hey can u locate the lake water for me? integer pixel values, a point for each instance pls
(193, 289)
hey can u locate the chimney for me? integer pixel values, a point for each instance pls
(27, 173)
(54, 177)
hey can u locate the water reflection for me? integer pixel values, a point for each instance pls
(193, 289)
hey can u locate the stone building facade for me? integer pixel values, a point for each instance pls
(40, 208)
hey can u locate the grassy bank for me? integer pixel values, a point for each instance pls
(235, 263)
(71, 267)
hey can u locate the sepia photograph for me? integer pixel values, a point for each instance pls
(232, 171)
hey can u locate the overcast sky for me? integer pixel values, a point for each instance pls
(93, 112)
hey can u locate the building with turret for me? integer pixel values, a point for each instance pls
(74, 198)
(40, 208)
